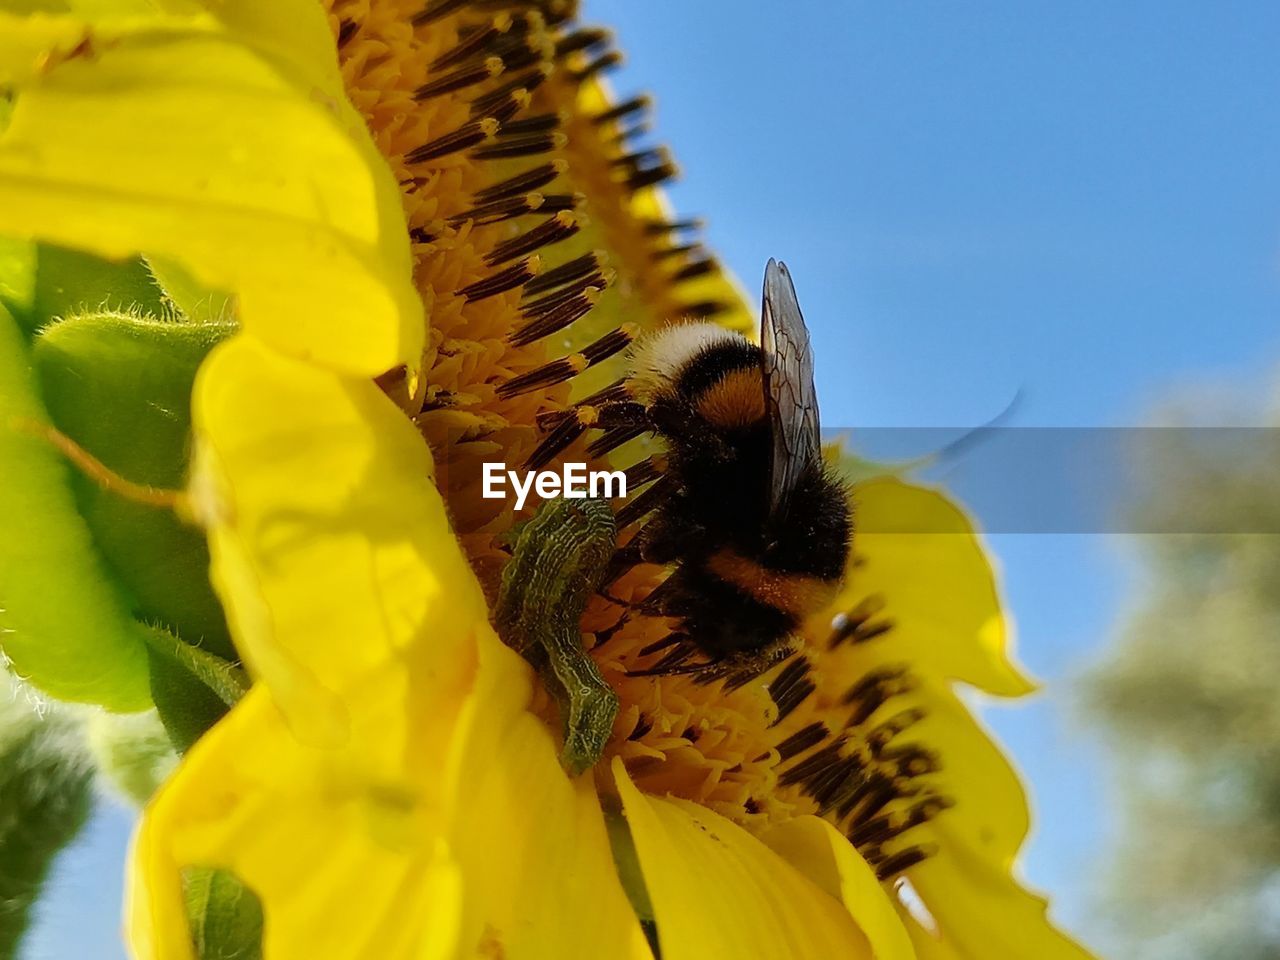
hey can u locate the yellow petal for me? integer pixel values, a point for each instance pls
(968, 878)
(927, 946)
(286, 30)
(717, 891)
(825, 856)
(331, 549)
(981, 911)
(353, 602)
(355, 853)
(227, 146)
(990, 815)
(348, 861)
(530, 843)
(918, 552)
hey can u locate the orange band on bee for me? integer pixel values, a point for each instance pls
(793, 593)
(735, 400)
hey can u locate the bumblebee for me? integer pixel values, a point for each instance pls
(742, 507)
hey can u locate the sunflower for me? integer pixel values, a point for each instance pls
(439, 232)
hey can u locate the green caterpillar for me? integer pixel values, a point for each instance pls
(559, 558)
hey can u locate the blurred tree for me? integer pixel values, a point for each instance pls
(1188, 700)
(45, 796)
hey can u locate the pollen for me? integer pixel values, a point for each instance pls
(543, 247)
(536, 219)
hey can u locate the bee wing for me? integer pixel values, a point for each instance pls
(789, 394)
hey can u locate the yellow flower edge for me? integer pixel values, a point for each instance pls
(918, 554)
(718, 891)
(825, 856)
(928, 558)
(308, 484)
(225, 143)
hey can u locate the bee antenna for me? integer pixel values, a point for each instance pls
(977, 435)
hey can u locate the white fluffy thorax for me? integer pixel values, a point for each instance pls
(658, 359)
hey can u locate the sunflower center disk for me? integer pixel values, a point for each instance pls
(542, 247)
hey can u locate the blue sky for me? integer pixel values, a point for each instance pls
(1078, 201)
(1081, 201)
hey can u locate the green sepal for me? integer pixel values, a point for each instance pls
(41, 282)
(69, 282)
(45, 797)
(195, 302)
(225, 680)
(192, 688)
(225, 915)
(120, 386)
(186, 706)
(63, 621)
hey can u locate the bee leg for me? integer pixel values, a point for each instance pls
(663, 600)
(623, 413)
(645, 503)
(621, 420)
(623, 559)
(670, 667)
(670, 640)
(731, 670)
(648, 545)
(674, 658)
(641, 504)
(740, 669)
(655, 604)
(608, 633)
(671, 661)
(619, 602)
(670, 535)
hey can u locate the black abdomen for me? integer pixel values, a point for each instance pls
(742, 579)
